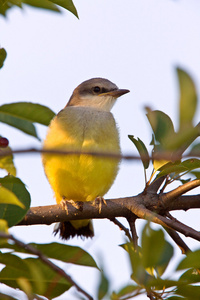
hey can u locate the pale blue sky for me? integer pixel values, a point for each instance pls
(135, 44)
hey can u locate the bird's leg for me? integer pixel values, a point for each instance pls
(65, 202)
(100, 202)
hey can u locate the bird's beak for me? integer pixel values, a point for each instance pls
(115, 93)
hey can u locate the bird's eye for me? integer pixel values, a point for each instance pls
(96, 89)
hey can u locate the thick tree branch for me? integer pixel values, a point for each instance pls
(148, 207)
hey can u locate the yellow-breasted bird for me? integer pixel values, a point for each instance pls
(85, 124)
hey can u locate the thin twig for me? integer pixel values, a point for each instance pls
(172, 195)
(46, 261)
(160, 156)
(178, 240)
(131, 222)
(122, 227)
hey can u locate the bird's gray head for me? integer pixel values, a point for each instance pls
(98, 93)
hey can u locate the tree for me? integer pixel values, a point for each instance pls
(173, 159)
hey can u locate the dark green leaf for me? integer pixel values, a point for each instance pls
(67, 4)
(189, 292)
(162, 126)
(126, 291)
(103, 286)
(32, 112)
(190, 276)
(142, 150)
(171, 168)
(3, 55)
(191, 164)
(65, 253)
(43, 279)
(156, 252)
(18, 123)
(11, 213)
(45, 4)
(195, 150)
(190, 261)
(188, 99)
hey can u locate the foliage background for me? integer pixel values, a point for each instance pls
(135, 44)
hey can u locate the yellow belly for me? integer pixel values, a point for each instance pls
(81, 177)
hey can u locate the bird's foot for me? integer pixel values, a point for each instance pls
(65, 203)
(100, 201)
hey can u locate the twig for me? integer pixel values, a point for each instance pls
(46, 261)
(178, 240)
(160, 156)
(172, 195)
(122, 227)
(131, 222)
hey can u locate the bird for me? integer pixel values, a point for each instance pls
(85, 124)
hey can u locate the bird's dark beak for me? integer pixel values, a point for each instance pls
(115, 93)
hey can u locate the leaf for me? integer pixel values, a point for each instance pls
(161, 124)
(67, 4)
(103, 286)
(189, 292)
(171, 168)
(188, 99)
(195, 150)
(32, 112)
(21, 115)
(191, 164)
(190, 261)
(65, 253)
(11, 213)
(126, 291)
(42, 278)
(3, 55)
(44, 4)
(8, 197)
(142, 150)
(23, 125)
(156, 252)
(6, 162)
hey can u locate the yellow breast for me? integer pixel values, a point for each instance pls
(81, 177)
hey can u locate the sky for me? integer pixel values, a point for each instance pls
(135, 44)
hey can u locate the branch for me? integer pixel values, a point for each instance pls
(46, 261)
(172, 195)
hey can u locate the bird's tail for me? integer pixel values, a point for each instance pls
(67, 230)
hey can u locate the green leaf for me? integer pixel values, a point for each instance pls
(190, 261)
(126, 291)
(156, 252)
(142, 150)
(6, 162)
(22, 115)
(162, 126)
(3, 55)
(103, 286)
(191, 164)
(32, 112)
(65, 253)
(23, 125)
(190, 276)
(67, 4)
(42, 278)
(189, 292)
(8, 197)
(12, 213)
(44, 4)
(188, 99)
(195, 150)
(171, 168)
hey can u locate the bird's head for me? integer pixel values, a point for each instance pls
(98, 93)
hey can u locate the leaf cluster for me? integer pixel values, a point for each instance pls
(50, 5)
